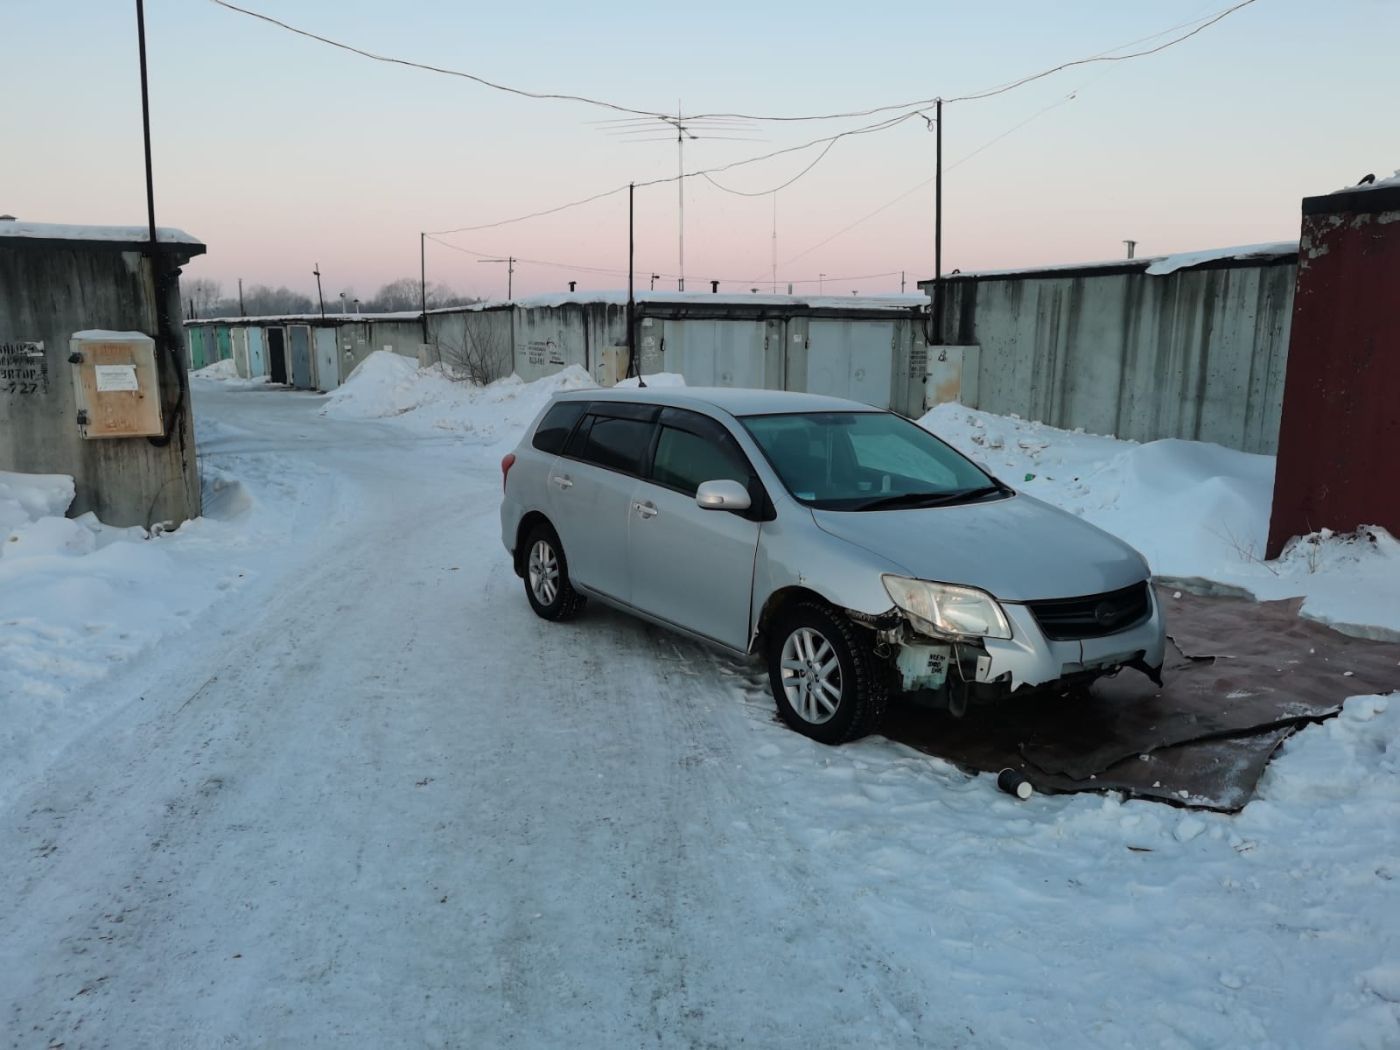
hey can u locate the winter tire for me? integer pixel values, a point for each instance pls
(824, 676)
(547, 577)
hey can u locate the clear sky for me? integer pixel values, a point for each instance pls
(280, 152)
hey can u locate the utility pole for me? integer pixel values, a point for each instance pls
(938, 229)
(654, 278)
(158, 271)
(775, 242)
(901, 282)
(1132, 248)
(241, 312)
(680, 191)
(821, 283)
(510, 274)
(423, 282)
(319, 296)
(633, 365)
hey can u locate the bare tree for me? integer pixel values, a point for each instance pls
(407, 294)
(261, 301)
(203, 295)
(481, 358)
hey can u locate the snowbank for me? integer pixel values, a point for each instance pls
(1194, 509)
(78, 599)
(224, 369)
(655, 379)
(389, 386)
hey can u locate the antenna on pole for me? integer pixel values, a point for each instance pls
(680, 191)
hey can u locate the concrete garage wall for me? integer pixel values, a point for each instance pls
(48, 291)
(1197, 353)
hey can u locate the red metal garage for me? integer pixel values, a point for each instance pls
(1339, 439)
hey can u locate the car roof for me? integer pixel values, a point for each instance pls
(737, 401)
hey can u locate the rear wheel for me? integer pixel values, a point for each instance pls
(547, 577)
(824, 676)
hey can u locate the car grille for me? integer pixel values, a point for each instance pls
(1093, 616)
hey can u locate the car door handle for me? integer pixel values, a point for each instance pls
(563, 481)
(645, 510)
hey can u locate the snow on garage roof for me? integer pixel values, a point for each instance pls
(1154, 265)
(57, 231)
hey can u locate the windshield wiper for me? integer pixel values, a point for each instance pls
(931, 499)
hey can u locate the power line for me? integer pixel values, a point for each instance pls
(1105, 56)
(623, 273)
(915, 189)
(866, 130)
(775, 189)
(390, 60)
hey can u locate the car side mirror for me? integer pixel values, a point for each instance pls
(722, 495)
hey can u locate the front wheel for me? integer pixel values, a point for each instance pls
(824, 676)
(547, 584)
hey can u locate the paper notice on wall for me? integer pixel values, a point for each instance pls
(116, 377)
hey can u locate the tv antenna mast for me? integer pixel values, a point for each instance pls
(659, 129)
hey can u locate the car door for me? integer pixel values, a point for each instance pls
(591, 487)
(694, 567)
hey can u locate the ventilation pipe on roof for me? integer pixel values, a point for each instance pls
(714, 287)
(572, 284)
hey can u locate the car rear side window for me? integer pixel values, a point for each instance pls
(617, 444)
(554, 428)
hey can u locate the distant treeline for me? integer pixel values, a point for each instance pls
(206, 298)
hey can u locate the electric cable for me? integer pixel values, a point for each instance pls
(1103, 56)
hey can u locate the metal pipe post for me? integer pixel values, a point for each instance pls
(631, 299)
(423, 282)
(938, 230)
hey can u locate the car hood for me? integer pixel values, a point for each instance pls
(1017, 549)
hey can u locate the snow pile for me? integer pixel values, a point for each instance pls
(386, 385)
(654, 379)
(224, 369)
(25, 497)
(79, 598)
(1194, 509)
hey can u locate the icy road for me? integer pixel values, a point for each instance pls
(368, 799)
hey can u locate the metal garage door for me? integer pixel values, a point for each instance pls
(853, 359)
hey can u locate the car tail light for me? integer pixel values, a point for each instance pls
(506, 464)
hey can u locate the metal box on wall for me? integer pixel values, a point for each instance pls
(115, 385)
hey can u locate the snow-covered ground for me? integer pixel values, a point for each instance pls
(1195, 510)
(368, 798)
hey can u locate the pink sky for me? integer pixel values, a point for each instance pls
(281, 153)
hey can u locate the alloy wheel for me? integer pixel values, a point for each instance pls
(544, 572)
(811, 675)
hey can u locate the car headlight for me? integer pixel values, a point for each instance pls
(942, 608)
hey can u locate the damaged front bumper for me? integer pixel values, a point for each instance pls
(993, 667)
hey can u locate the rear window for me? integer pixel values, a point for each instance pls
(554, 428)
(617, 444)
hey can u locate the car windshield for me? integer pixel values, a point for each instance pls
(866, 461)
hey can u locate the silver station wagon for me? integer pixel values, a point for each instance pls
(864, 558)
